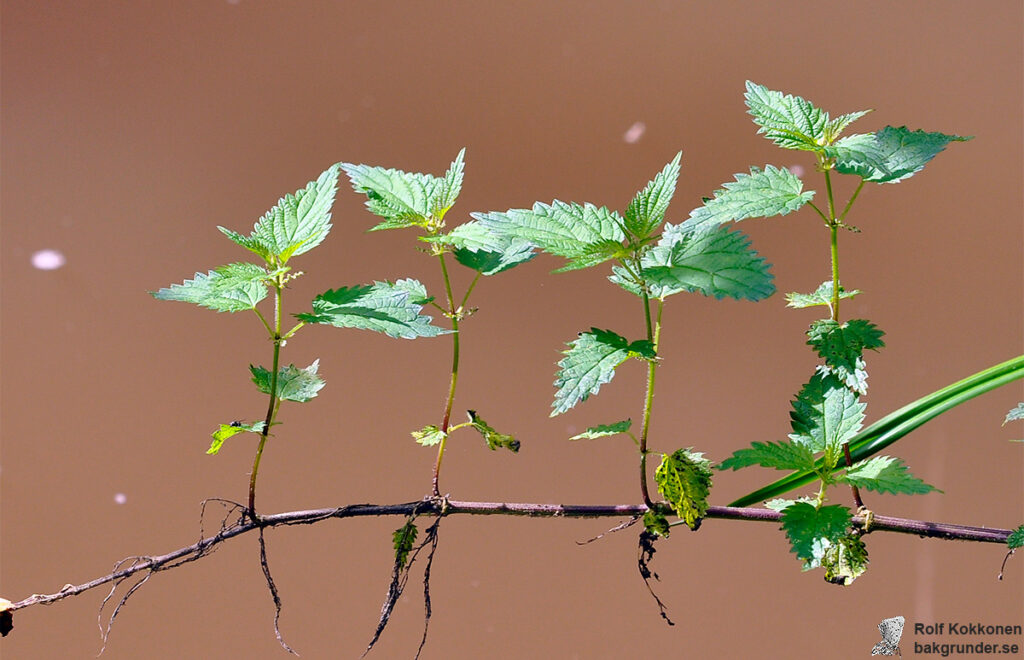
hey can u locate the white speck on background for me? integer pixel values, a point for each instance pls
(120, 498)
(47, 259)
(635, 132)
(797, 170)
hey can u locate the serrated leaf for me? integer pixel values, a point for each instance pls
(825, 414)
(1016, 538)
(647, 210)
(779, 504)
(232, 288)
(450, 188)
(778, 455)
(296, 224)
(596, 253)
(863, 149)
(590, 362)
(604, 430)
(1015, 414)
(845, 560)
(430, 435)
(820, 296)
(760, 194)
(789, 121)
(835, 126)
(714, 262)
(684, 478)
(293, 383)
(843, 345)
(656, 523)
(483, 250)
(403, 539)
(806, 526)
(903, 153)
(573, 231)
(493, 439)
(391, 308)
(227, 430)
(885, 474)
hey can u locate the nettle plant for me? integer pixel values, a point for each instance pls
(650, 258)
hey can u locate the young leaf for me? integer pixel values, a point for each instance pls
(863, 149)
(656, 523)
(493, 439)
(1016, 538)
(227, 430)
(590, 362)
(429, 436)
(604, 430)
(825, 414)
(715, 262)
(778, 455)
(573, 231)
(406, 199)
(232, 288)
(403, 539)
(1015, 414)
(789, 121)
(885, 474)
(684, 478)
(293, 383)
(760, 194)
(820, 296)
(297, 224)
(393, 309)
(483, 250)
(833, 127)
(902, 154)
(780, 504)
(842, 347)
(647, 210)
(806, 526)
(845, 560)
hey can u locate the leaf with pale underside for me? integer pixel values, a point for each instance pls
(760, 194)
(483, 250)
(297, 224)
(231, 288)
(901, 153)
(293, 383)
(604, 430)
(820, 296)
(590, 362)
(885, 474)
(390, 308)
(430, 435)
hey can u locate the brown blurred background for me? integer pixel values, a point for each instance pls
(131, 129)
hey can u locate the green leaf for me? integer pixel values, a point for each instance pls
(805, 526)
(885, 474)
(429, 436)
(656, 523)
(779, 504)
(297, 224)
(393, 309)
(862, 149)
(647, 210)
(760, 194)
(293, 383)
(577, 232)
(604, 430)
(845, 560)
(403, 539)
(789, 121)
(825, 414)
(493, 438)
(1015, 414)
(684, 478)
(483, 250)
(842, 347)
(1016, 538)
(778, 455)
(902, 154)
(820, 296)
(590, 362)
(833, 127)
(232, 288)
(227, 430)
(715, 262)
(406, 199)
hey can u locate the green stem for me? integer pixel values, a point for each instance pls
(272, 406)
(653, 335)
(853, 198)
(452, 312)
(834, 240)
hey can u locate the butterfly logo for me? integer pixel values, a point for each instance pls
(892, 631)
